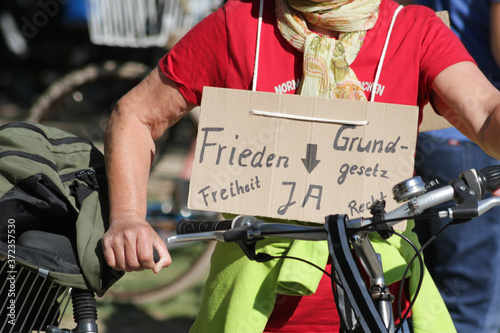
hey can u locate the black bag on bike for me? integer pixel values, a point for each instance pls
(54, 182)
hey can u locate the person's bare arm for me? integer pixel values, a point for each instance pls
(495, 30)
(139, 118)
(465, 97)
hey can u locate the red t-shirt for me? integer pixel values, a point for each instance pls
(318, 312)
(220, 52)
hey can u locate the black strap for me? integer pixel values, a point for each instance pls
(351, 280)
(33, 157)
(55, 142)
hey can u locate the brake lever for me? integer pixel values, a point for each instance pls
(482, 207)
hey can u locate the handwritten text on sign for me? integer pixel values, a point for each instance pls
(284, 166)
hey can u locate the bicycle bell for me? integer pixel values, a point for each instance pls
(408, 189)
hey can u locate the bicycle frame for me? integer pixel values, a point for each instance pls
(373, 317)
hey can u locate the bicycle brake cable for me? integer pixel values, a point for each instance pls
(263, 257)
(418, 254)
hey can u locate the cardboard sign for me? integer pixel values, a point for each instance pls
(297, 157)
(432, 121)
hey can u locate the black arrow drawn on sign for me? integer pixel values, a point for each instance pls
(310, 162)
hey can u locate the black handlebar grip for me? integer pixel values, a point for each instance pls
(489, 178)
(156, 255)
(189, 226)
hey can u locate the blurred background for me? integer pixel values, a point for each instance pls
(65, 63)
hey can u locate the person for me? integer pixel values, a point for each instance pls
(423, 60)
(463, 260)
(495, 31)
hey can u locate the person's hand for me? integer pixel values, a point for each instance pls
(128, 245)
(496, 193)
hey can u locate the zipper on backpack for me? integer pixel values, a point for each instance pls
(89, 177)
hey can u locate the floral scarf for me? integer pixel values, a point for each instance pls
(326, 60)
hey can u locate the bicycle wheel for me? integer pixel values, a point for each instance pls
(80, 103)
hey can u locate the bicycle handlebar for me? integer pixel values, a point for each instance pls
(189, 226)
(344, 235)
(489, 178)
(466, 190)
